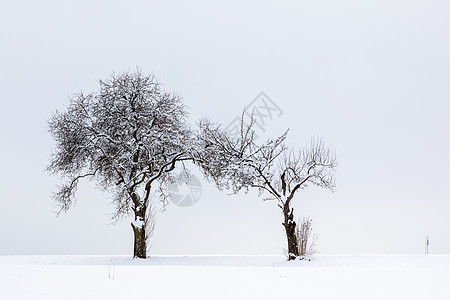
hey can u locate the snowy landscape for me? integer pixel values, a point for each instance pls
(225, 150)
(225, 277)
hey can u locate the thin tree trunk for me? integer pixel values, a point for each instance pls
(290, 227)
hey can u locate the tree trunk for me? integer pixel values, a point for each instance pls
(290, 227)
(138, 225)
(140, 244)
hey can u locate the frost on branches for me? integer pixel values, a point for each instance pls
(127, 136)
(278, 173)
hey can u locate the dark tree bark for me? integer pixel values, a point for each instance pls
(139, 228)
(140, 243)
(290, 229)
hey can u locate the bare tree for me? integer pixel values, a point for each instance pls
(127, 136)
(305, 237)
(240, 163)
(150, 224)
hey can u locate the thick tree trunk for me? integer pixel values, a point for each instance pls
(290, 227)
(140, 244)
(138, 225)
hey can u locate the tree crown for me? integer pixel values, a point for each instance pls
(241, 163)
(125, 136)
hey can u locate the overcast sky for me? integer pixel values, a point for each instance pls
(372, 78)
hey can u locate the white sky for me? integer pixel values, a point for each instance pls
(370, 77)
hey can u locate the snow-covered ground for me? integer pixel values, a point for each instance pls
(225, 277)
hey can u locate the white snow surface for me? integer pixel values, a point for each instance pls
(225, 277)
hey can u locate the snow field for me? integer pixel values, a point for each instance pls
(224, 277)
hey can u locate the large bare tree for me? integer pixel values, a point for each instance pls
(127, 136)
(278, 173)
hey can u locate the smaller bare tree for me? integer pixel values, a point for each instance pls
(150, 223)
(240, 164)
(306, 238)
